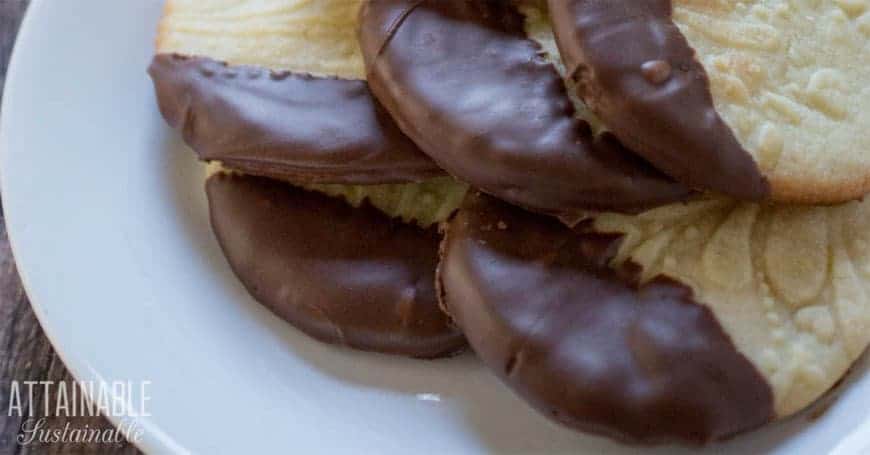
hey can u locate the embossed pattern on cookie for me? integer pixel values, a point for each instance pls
(788, 77)
(790, 284)
(308, 36)
(589, 345)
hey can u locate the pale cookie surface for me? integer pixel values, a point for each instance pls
(791, 79)
(425, 204)
(790, 284)
(306, 36)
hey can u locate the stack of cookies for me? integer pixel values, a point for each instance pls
(644, 216)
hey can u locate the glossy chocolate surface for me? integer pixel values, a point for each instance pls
(586, 345)
(463, 80)
(636, 70)
(283, 125)
(343, 275)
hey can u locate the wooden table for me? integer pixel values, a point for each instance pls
(25, 353)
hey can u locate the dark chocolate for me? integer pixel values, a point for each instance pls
(290, 126)
(587, 345)
(636, 70)
(343, 275)
(463, 80)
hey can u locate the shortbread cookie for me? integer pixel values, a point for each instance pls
(724, 94)
(587, 345)
(344, 275)
(465, 82)
(789, 284)
(425, 204)
(654, 358)
(328, 137)
(297, 109)
(303, 36)
(285, 125)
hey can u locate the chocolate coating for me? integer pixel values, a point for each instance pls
(636, 70)
(462, 79)
(283, 125)
(342, 275)
(586, 345)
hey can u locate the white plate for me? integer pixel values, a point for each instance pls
(108, 223)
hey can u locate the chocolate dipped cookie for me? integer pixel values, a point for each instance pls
(757, 100)
(345, 275)
(292, 103)
(465, 82)
(276, 88)
(354, 269)
(689, 323)
(788, 283)
(648, 321)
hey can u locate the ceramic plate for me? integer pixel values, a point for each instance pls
(108, 222)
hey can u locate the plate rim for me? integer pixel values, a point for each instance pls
(70, 360)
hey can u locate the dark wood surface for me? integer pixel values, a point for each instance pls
(25, 353)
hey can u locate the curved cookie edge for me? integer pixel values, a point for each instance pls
(395, 311)
(613, 398)
(650, 81)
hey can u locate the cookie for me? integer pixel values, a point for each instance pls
(757, 100)
(348, 274)
(292, 105)
(465, 82)
(425, 204)
(789, 284)
(284, 125)
(343, 275)
(587, 345)
(687, 323)
(302, 36)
